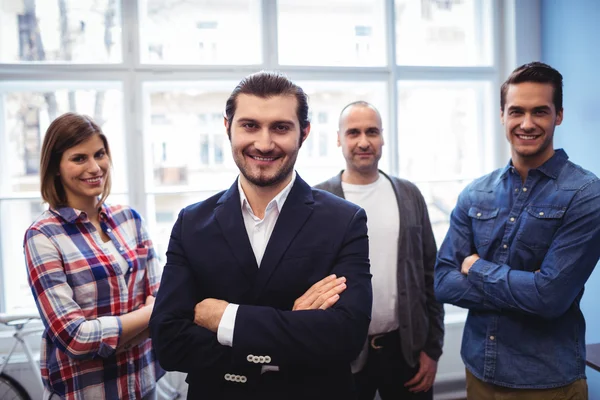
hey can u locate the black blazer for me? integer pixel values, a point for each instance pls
(209, 255)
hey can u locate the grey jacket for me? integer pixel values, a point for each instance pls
(421, 316)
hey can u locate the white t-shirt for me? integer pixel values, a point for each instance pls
(383, 221)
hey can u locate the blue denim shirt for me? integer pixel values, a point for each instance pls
(525, 328)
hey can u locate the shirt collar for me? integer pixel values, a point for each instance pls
(550, 168)
(71, 215)
(278, 200)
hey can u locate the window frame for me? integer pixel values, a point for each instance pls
(512, 44)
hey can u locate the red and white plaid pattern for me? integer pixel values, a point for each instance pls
(80, 290)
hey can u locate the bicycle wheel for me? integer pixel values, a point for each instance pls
(10, 389)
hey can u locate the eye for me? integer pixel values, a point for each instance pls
(249, 125)
(373, 132)
(515, 112)
(78, 159)
(101, 154)
(541, 112)
(281, 128)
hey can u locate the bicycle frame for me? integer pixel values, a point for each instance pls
(19, 337)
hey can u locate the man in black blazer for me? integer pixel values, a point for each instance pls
(266, 293)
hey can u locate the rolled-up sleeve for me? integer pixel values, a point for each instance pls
(63, 319)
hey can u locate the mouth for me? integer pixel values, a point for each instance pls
(93, 181)
(263, 159)
(527, 137)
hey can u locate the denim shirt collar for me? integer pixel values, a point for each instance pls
(551, 168)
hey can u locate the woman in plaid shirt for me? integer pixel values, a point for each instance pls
(93, 272)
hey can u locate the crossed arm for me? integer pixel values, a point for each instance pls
(464, 279)
(320, 328)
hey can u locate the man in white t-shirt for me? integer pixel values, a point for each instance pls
(407, 323)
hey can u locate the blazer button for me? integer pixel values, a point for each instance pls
(261, 359)
(250, 358)
(227, 377)
(243, 379)
(255, 359)
(267, 359)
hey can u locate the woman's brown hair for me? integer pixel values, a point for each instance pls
(64, 132)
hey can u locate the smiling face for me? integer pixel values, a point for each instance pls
(265, 139)
(361, 137)
(529, 118)
(84, 170)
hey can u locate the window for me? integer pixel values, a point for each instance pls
(444, 32)
(200, 32)
(341, 33)
(429, 66)
(84, 31)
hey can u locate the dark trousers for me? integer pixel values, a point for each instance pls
(386, 371)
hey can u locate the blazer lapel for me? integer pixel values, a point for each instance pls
(296, 210)
(229, 217)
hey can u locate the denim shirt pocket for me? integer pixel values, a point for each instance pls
(538, 226)
(483, 221)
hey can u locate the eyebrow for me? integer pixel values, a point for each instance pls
(538, 108)
(283, 121)
(369, 129)
(84, 154)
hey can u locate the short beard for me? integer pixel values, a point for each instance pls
(280, 176)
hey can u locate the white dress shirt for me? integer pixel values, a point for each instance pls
(259, 232)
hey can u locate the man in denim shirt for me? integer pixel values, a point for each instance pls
(522, 242)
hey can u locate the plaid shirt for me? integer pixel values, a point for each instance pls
(80, 290)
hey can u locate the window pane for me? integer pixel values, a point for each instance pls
(442, 128)
(441, 199)
(339, 32)
(28, 112)
(16, 217)
(320, 157)
(163, 210)
(444, 33)
(191, 150)
(201, 32)
(78, 31)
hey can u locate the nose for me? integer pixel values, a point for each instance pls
(363, 143)
(263, 141)
(527, 123)
(94, 167)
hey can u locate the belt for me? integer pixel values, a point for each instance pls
(378, 342)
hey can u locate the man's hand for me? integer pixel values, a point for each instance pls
(423, 380)
(322, 294)
(468, 263)
(208, 313)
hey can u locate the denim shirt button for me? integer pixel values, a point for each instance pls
(492, 337)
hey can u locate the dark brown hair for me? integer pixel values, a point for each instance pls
(537, 72)
(267, 84)
(64, 132)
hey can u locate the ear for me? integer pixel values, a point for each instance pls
(382, 139)
(306, 132)
(339, 142)
(226, 122)
(502, 116)
(559, 117)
